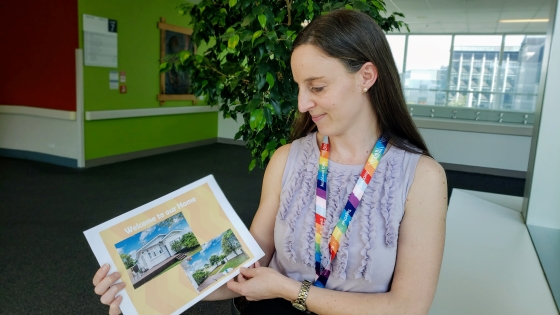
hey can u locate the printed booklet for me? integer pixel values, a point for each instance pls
(175, 250)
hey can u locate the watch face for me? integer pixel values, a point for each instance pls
(299, 306)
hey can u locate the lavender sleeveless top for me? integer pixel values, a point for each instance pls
(366, 257)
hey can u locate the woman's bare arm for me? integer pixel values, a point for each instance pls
(262, 227)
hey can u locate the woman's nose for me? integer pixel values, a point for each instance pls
(304, 101)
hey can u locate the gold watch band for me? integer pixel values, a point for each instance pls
(299, 303)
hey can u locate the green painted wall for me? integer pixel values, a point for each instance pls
(138, 53)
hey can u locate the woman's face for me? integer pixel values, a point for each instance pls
(333, 97)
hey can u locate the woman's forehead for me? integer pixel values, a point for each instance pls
(310, 61)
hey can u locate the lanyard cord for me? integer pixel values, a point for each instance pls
(323, 273)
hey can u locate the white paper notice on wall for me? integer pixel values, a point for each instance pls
(100, 41)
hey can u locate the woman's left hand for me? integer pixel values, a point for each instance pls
(259, 283)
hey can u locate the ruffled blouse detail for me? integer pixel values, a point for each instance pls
(297, 204)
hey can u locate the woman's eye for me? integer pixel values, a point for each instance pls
(317, 88)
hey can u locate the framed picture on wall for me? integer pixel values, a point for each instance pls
(175, 85)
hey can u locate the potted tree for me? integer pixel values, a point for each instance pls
(246, 68)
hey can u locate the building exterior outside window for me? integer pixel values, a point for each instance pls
(486, 72)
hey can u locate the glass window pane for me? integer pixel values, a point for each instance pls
(520, 72)
(474, 71)
(397, 48)
(425, 77)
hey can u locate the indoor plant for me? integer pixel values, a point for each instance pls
(246, 66)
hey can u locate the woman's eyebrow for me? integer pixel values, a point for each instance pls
(313, 78)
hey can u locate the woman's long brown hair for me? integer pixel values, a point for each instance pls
(354, 38)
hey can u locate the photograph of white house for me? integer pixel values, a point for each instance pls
(157, 249)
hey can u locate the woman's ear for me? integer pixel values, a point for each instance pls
(368, 75)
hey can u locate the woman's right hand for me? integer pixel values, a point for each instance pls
(105, 287)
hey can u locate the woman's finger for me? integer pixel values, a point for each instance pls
(257, 264)
(234, 286)
(240, 278)
(100, 274)
(114, 308)
(108, 297)
(248, 272)
(106, 283)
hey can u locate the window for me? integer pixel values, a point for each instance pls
(426, 69)
(478, 73)
(397, 43)
(474, 71)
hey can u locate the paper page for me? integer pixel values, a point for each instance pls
(175, 250)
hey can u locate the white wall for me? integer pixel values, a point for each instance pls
(544, 199)
(52, 136)
(227, 127)
(455, 147)
(478, 149)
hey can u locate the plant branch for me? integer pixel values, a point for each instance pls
(289, 5)
(216, 70)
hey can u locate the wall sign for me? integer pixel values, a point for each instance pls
(113, 80)
(100, 41)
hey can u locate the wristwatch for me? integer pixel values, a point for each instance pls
(299, 303)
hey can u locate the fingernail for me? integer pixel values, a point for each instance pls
(119, 297)
(105, 266)
(117, 274)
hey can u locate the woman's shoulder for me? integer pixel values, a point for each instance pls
(429, 170)
(430, 181)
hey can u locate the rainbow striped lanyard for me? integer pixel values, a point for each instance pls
(323, 273)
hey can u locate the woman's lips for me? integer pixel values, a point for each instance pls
(316, 118)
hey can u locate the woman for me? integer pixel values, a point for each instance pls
(384, 223)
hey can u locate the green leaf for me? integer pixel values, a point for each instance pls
(262, 20)
(271, 145)
(165, 66)
(252, 164)
(259, 40)
(230, 30)
(233, 41)
(261, 80)
(268, 114)
(283, 141)
(254, 103)
(184, 55)
(361, 6)
(257, 121)
(256, 35)
(246, 35)
(276, 106)
(264, 154)
(232, 3)
(270, 79)
(349, 7)
(337, 5)
(247, 20)
(272, 35)
(378, 5)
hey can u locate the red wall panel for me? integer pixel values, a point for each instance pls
(37, 53)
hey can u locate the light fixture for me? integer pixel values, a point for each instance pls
(524, 21)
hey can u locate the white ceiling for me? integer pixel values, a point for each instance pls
(471, 16)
